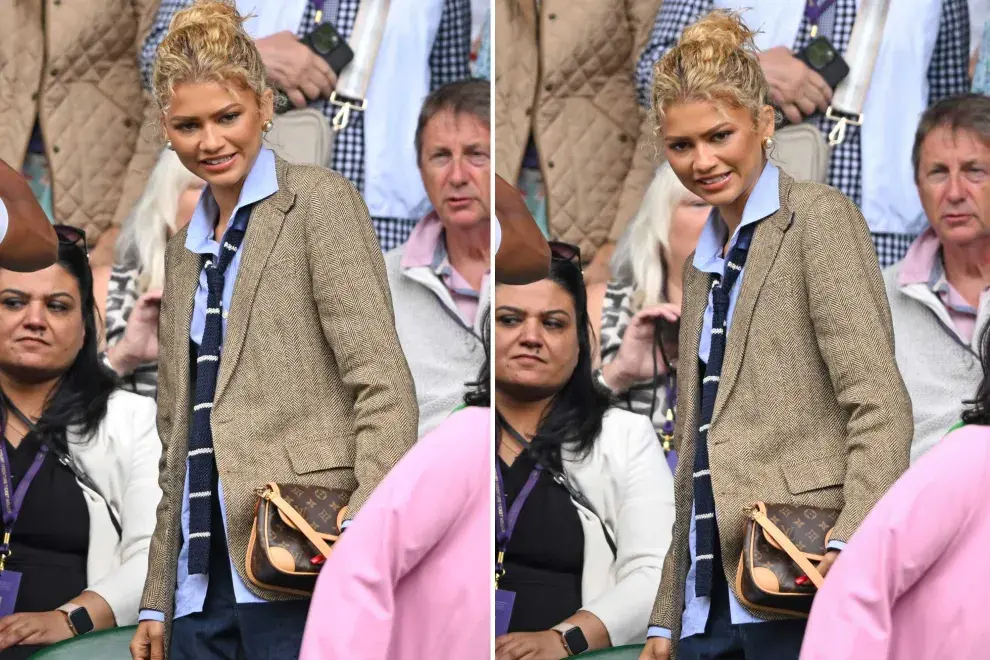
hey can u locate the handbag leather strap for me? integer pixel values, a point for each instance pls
(307, 530)
(785, 543)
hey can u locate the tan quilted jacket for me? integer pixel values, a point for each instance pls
(570, 83)
(811, 408)
(74, 65)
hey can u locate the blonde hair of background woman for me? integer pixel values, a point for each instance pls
(146, 230)
(641, 251)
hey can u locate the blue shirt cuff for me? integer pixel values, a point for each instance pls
(657, 631)
(344, 525)
(836, 545)
(151, 615)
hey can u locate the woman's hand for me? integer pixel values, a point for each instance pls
(826, 563)
(149, 641)
(657, 648)
(139, 345)
(634, 361)
(545, 645)
(42, 628)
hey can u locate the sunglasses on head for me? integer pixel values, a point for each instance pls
(68, 235)
(560, 251)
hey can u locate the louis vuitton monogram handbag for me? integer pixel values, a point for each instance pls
(294, 529)
(780, 542)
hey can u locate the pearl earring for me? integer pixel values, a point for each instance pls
(168, 145)
(768, 143)
(267, 126)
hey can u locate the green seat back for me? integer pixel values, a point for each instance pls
(110, 644)
(617, 653)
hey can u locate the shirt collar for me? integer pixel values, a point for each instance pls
(763, 202)
(422, 243)
(261, 182)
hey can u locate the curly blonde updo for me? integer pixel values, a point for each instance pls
(715, 60)
(206, 42)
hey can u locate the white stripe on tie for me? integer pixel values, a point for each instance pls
(733, 266)
(704, 516)
(204, 450)
(202, 406)
(199, 535)
(202, 493)
(710, 379)
(702, 429)
(212, 310)
(718, 331)
(229, 246)
(208, 358)
(701, 473)
(699, 557)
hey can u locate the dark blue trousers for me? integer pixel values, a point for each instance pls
(226, 630)
(723, 640)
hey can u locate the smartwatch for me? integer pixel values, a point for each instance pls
(79, 621)
(573, 637)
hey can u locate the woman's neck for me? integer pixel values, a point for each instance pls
(523, 416)
(29, 398)
(469, 251)
(226, 199)
(732, 213)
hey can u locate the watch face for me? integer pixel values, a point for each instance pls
(79, 618)
(575, 641)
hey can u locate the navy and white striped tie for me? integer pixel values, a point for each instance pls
(704, 497)
(201, 461)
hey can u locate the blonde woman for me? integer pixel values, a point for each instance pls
(788, 388)
(280, 265)
(134, 285)
(643, 296)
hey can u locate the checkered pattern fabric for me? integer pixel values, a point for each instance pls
(200, 455)
(449, 61)
(891, 248)
(947, 71)
(704, 496)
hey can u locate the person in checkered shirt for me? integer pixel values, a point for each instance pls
(395, 197)
(923, 59)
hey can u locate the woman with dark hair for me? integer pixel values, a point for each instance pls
(911, 567)
(584, 501)
(78, 465)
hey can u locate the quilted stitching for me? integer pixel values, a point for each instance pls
(575, 92)
(78, 73)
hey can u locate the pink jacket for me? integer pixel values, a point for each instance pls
(411, 576)
(912, 582)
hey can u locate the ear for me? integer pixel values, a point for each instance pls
(767, 121)
(267, 105)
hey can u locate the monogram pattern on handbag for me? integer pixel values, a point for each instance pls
(280, 557)
(807, 527)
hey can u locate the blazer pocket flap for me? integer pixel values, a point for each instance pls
(821, 472)
(309, 457)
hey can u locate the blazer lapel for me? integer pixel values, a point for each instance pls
(695, 300)
(263, 229)
(762, 253)
(187, 272)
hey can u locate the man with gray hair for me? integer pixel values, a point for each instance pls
(938, 292)
(439, 278)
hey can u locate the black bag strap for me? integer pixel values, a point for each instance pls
(65, 460)
(561, 479)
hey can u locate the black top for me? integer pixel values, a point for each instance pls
(545, 557)
(50, 541)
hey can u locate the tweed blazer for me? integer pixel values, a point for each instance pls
(313, 387)
(811, 408)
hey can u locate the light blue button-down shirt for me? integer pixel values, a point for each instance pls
(261, 182)
(763, 202)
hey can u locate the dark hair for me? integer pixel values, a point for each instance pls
(480, 391)
(472, 96)
(978, 411)
(574, 417)
(80, 398)
(963, 112)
